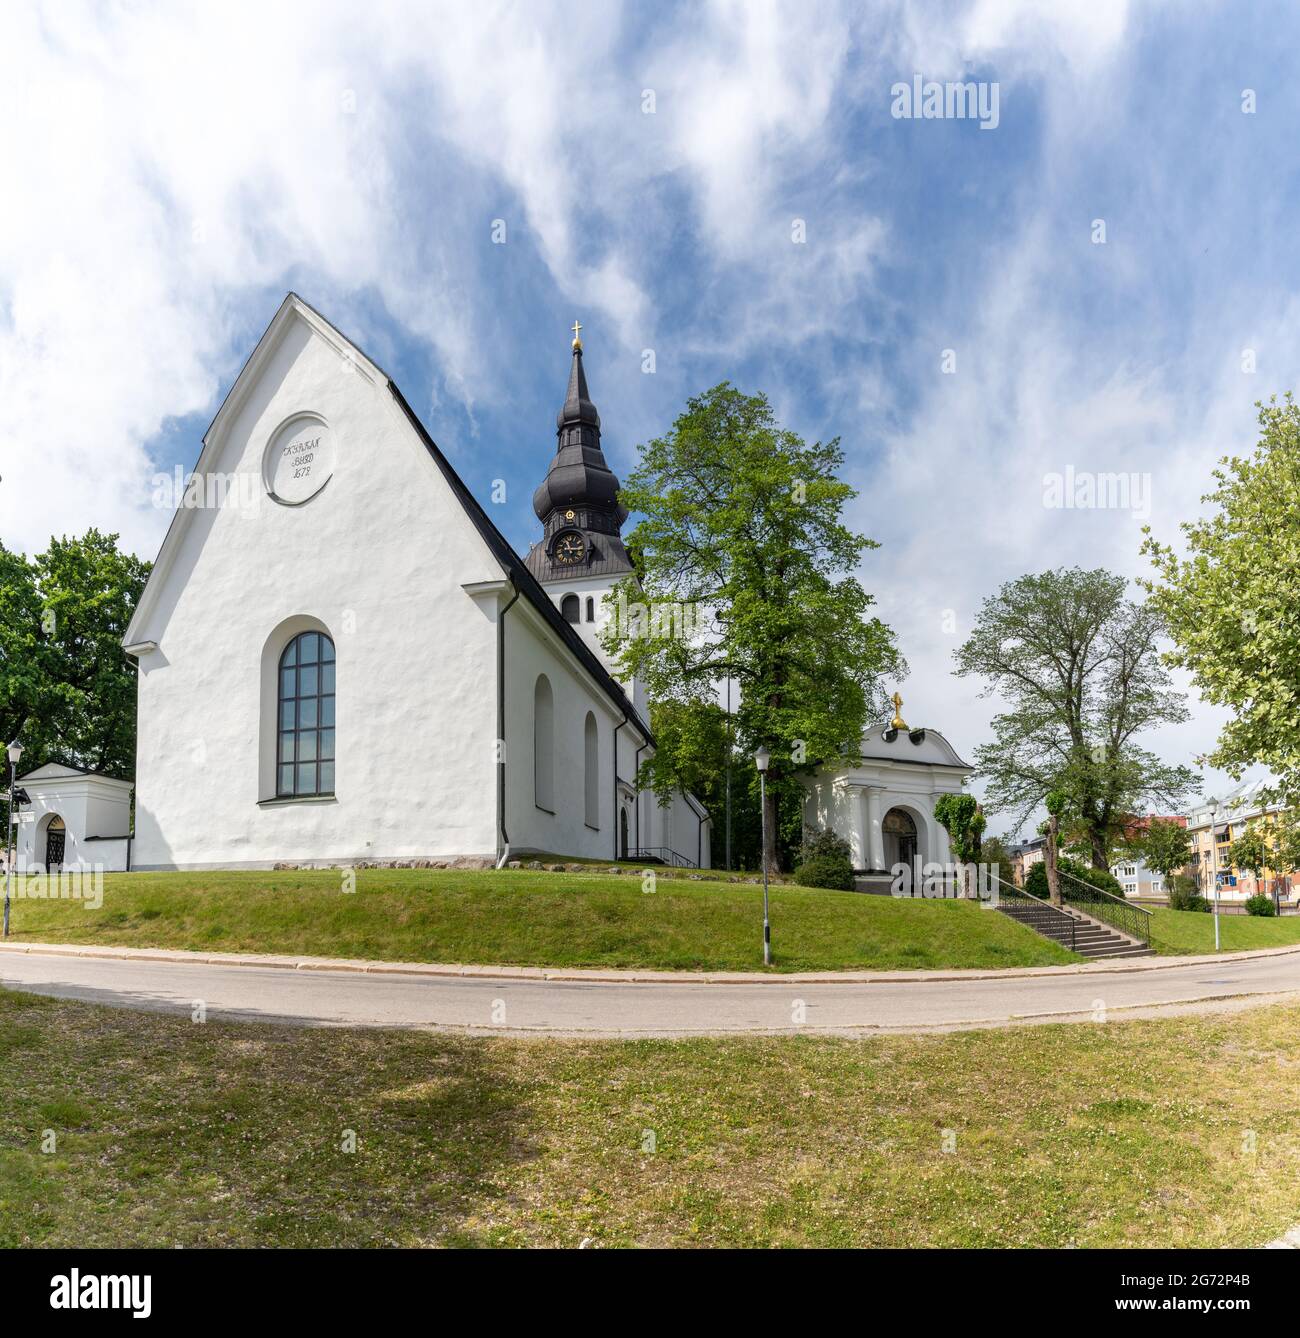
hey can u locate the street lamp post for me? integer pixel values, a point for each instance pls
(729, 748)
(761, 760)
(1214, 864)
(15, 751)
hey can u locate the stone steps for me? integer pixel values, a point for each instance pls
(1088, 937)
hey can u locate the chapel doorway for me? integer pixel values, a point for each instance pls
(899, 832)
(622, 833)
(55, 839)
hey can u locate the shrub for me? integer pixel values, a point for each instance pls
(823, 872)
(1036, 879)
(825, 861)
(1260, 904)
(829, 844)
(1184, 895)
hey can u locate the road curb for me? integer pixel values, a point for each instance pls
(596, 975)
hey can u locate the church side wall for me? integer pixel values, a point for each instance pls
(377, 559)
(532, 651)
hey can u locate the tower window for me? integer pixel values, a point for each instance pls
(569, 607)
(591, 609)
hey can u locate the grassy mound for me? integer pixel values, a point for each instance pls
(524, 917)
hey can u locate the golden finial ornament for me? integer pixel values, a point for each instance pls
(897, 722)
(577, 330)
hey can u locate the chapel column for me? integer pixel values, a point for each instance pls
(874, 836)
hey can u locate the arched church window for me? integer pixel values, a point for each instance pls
(569, 607)
(305, 741)
(544, 744)
(591, 771)
(591, 609)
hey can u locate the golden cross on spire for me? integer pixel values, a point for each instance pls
(577, 329)
(897, 722)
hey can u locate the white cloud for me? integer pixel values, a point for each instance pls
(161, 165)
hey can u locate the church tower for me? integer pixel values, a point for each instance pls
(580, 555)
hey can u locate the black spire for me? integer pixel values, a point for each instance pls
(579, 494)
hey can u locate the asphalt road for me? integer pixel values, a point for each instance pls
(626, 1008)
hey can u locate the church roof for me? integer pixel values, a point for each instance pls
(512, 565)
(521, 578)
(49, 771)
(923, 747)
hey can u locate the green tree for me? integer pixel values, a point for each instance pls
(995, 851)
(1232, 604)
(26, 664)
(1078, 667)
(1057, 802)
(742, 521)
(692, 739)
(67, 689)
(1250, 851)
(1164, 846)
(1286, 848)
(960, 817)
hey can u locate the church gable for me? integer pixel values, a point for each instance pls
(310, 461)
(314, 431)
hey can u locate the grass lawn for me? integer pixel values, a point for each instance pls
(1174, 1132)
(1176, 932)
(524, 917)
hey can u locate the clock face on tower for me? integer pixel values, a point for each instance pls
(570, 549)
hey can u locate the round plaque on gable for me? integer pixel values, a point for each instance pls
(299, 460)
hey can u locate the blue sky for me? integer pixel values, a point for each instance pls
(172, 172)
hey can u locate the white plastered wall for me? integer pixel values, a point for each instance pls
(377, 559)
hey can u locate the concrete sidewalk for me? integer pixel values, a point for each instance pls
(614, 975)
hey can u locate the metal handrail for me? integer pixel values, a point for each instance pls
(1135, 921)
(1040, 912)
(665, 855)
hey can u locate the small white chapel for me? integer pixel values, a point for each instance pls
(882, 801)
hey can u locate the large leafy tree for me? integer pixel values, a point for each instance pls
(1232, 603)
(25, 658)
(742, 520)
(1163, 845)
(1078, 667)
(67, 689)
(694, 739)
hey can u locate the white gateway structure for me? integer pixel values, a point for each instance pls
(341, 659)
(882, 802)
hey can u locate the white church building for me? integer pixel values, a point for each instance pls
(341, 659)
